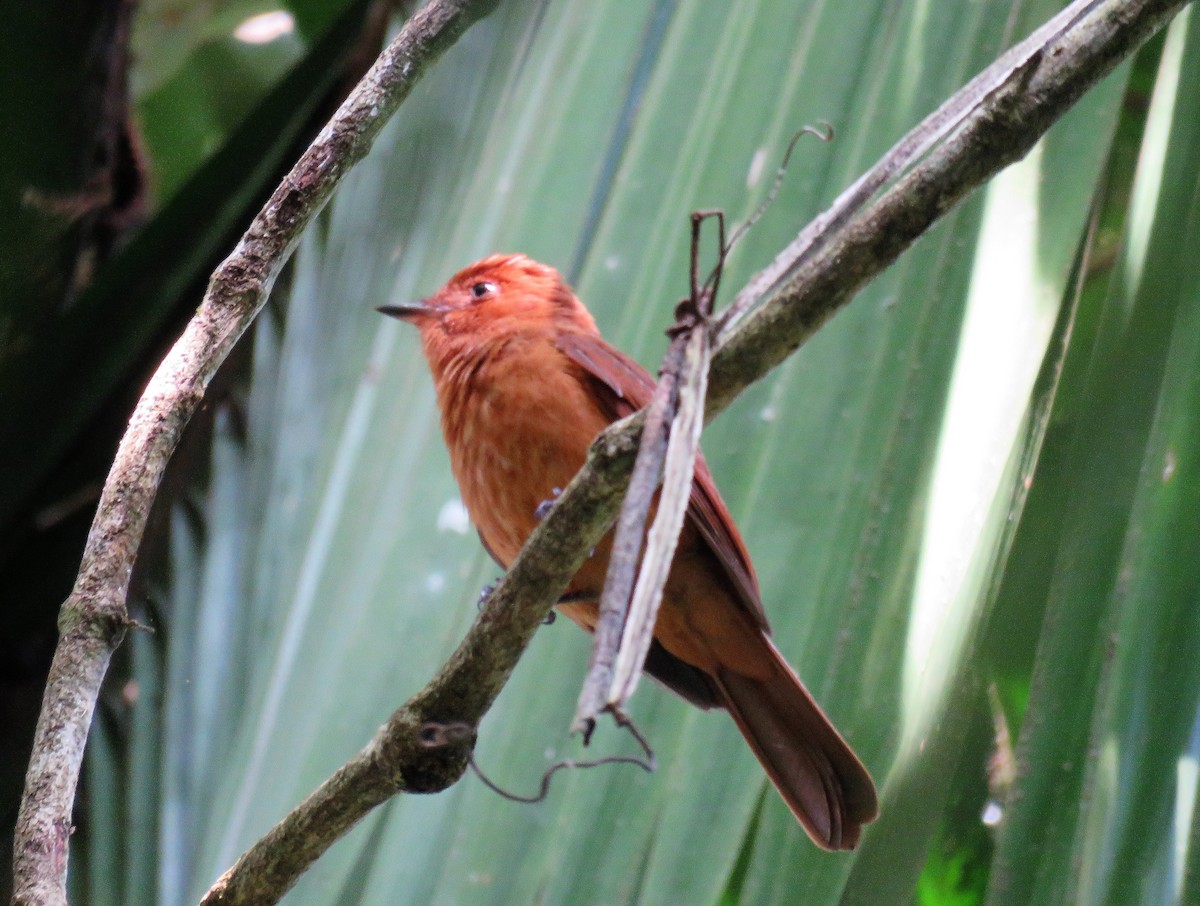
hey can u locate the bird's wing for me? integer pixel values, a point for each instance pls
(622, 387)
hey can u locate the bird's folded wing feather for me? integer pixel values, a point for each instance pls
(622, 387)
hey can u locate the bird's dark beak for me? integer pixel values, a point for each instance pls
(409, 313)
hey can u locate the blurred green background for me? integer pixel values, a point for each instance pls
(972, 499)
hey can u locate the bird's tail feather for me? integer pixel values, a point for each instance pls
(816, 772)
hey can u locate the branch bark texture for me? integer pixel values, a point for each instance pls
(94, 618)
(993, 122)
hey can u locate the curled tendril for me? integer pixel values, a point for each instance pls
(433, 735)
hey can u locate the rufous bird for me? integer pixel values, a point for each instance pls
(524, 383)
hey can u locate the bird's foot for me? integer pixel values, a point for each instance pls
(491, 587)
(544, 507)
(484, 592)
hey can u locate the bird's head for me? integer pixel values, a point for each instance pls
(497, 297)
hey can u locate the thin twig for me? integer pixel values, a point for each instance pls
(628, 611)
(690, 381)
(627, 546)
(438, 735)
(824, 135)
(94, 618)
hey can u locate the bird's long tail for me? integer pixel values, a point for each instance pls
(816, 772)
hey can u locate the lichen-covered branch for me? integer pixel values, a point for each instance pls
(996, 123)
(93, 619)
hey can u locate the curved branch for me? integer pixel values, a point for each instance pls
(93, 619)
(995, 120)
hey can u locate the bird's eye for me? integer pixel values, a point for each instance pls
(479, 290)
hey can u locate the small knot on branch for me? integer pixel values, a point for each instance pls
(434, 735)
(691, 313)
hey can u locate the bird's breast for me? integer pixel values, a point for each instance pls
(517, 421)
